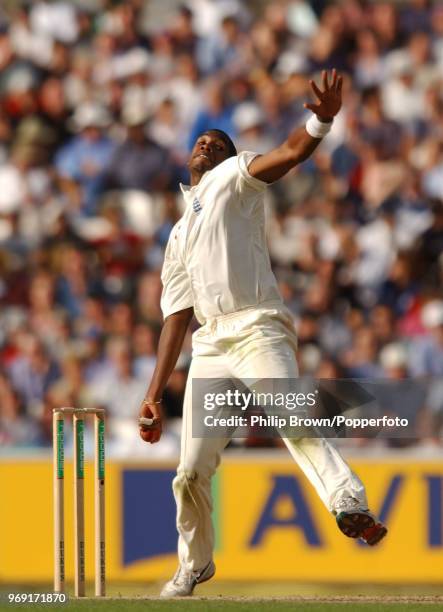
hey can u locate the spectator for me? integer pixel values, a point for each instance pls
(32, 372)
(360, 359)
(249, 122)
(16, 429)
(138, 163)
(148, 297)
(426, 356)
(355, 234)
(72, 287)
(144, 342)
(216, 112)
(116, 389)
(83, 160)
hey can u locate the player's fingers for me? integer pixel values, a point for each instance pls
(313, 107)
(145, 410)
(317, 91)
(324, 75)
(334, 78)
(156, 434)
(146, 435)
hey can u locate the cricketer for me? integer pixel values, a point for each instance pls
(217, 267)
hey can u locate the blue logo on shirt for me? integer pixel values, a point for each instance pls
(196, 206)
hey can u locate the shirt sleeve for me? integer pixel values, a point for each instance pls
(246, 181)
(177, 293)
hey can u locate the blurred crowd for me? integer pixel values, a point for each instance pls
(100, 103)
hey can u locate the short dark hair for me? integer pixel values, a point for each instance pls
(232, 150)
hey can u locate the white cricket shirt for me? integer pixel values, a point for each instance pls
(217, 258)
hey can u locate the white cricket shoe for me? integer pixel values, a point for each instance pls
(184, 583)
(356, 521)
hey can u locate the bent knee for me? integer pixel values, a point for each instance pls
(187, 476)
(190, 479)
(184, 484)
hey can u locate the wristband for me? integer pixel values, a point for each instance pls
(149, 402)
(316, 128)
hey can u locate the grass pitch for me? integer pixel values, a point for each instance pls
(219, 596)
(234, 605)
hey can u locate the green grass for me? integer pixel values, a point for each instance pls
(222, 596)
(136, 605)
(221, 588)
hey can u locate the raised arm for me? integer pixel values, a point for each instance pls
(169, 347)
(301, 143)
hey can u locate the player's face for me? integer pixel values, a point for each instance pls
(209, 151)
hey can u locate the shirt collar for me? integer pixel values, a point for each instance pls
(185, 188)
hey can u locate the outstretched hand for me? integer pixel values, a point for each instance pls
(329, 98)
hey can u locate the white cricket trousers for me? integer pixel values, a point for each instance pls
(254, 343)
